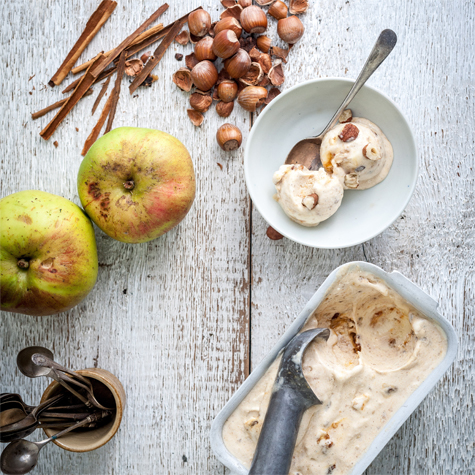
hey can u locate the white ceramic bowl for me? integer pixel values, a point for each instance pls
(407, 290)
(304, 111)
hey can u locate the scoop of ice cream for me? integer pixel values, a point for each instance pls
(361, 150)
(308, 197)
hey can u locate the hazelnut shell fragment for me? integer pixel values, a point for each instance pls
(224, 109)
(253, 76)
(183, 38)
(182, 78)
(195, 117)
(234, 12)
(200, 102)
(191, 61)
(245, 3)
(349, 133)
(345, 116)
(228, 23)
(133, 67)
(280, 53)
(273, 234)
(276, 75)
(228, 3)
(298, 6)
(273, 93)
(265, 61)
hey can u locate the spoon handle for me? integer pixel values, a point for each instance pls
(383, 46)
(92, 418)
(45, 405)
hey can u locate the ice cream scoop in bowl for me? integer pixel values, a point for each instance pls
(304, 111)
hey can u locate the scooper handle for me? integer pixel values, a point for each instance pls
(273, 455)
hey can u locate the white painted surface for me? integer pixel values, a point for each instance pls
(215, 293)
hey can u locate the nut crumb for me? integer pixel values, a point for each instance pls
(220, 166)
(55, 143)
(346, 116)
(178, 56)
(77, 130)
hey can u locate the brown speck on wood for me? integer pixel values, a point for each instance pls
(220, 166)
(31, 77)
(55, 143)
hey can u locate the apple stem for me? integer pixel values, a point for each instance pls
(23, 264)
(129, 185)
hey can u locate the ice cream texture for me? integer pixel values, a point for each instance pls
(308, 197)
(361, 150)
(379, 351)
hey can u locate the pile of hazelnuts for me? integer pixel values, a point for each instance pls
(249, 63)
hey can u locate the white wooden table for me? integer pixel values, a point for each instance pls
(183, 319)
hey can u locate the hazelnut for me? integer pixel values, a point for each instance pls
(204, 49)
(298, 6)
(278, 10)
(310, 201)
(263, 43)
(227, 90)
(245, 3)
(290, 29)
(229, 23)
(199, 22)
(349, 133)
(183, 79)
(253, 19)
(225, 44)
(229, 137)
(252, 97)
(195, 117)
(238, 65)
(200, 102)
(204, 75)
(224, 109)
(264, 3)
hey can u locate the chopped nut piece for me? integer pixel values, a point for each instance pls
(182, 78)
(371, 153)
(183, 38)
(276, 75)
(349, 133)
(224, 109)
(146, 56)
(133, 67)
(195, 117)
(55, 143)
(298, 6)
(178, 56)
(351, 180)
(255, 54)
(310, 201)
(273, 234)
(345, 116)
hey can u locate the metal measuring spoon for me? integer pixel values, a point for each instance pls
(307, 151)
(21, 456)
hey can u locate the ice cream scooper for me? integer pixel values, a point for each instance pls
(291, 397)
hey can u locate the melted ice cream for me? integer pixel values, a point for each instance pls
(379, 351)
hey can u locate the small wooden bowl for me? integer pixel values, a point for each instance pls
(94, 438)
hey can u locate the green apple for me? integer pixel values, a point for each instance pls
(48, 255)
(136, 184)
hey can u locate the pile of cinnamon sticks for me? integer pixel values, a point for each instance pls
(104, 65)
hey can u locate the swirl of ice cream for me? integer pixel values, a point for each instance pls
(361, 150)
(308, 197)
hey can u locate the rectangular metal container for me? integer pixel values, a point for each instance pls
(406, 289)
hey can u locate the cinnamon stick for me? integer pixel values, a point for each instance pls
(98, 127)
(146, 34)
(101, 65)
(81, 89)
(100, 95)
(42, 112)
(116, 93)
(104, 74)
(98, 18)
(158, 54)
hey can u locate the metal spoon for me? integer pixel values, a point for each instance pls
(21, 456)
(16, 398)
(28, 424)
(36, 361)
(307, 151)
